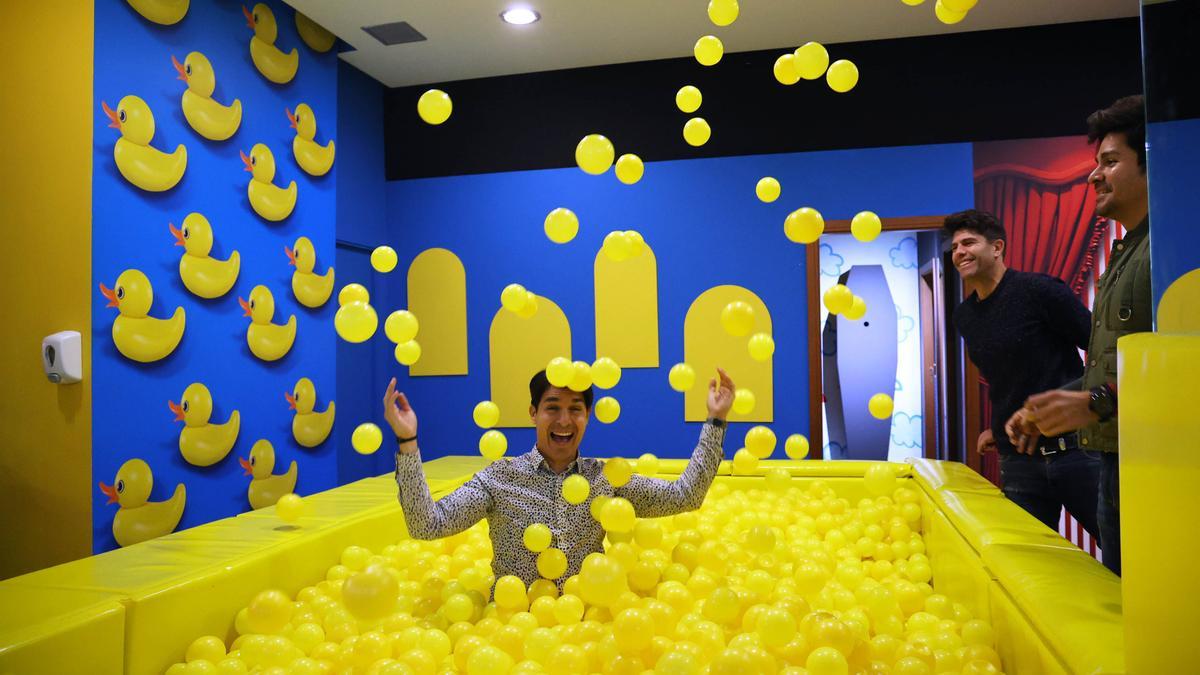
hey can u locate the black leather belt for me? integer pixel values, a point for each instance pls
(1058, 444)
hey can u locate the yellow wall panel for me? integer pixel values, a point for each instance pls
(706, 345)
(437, 294)
(519, 348)
(46, 483)
(627, 309)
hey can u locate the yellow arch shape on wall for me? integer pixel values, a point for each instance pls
(437, 294)
(1177, 307)
(706, 345)
(627, 309)
(519, 348)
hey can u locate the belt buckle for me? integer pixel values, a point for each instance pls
(1062, 447)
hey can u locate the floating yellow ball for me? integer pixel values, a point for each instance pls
(581, 376)
(552, 563)
(608, 410)
(594, 154)
(785, 70)
(434, 106)
(493, 444)
(842, 76)
(401, 326)
(812, 59)
(722, 12)
(696, 132)
(880, 480)
(355, 322)
(838, 299)
(561, 226)
(353, 293)
(486, 414)
(575, 489)
(408, 353)
(688, 99)
(559, 371)
(530, 307)
(880, 406)
(537, 537)
(618, 515)
(796, 446)
(708, 50)
(745, 463)
(856, 310)
(618, 471)
(946, 15)
(605, 373)
(366, 438)
(767, 189)
(647, 464)
(865, 226)
(737, 318)
(513, 297)
(760, 441)
(383, 259)
(290, 507)
(960, 5)
(617, 246)
(681, 377)
(630, 169)
(743, 401)
(761, 346)
(804, 225)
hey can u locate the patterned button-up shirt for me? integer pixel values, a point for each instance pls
(515, 493)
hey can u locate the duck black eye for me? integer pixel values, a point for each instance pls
(187, 68)
(255, 17)
(120, 487)
(251, 304)
(186, 232)
(253, 160)
(121, 114)
(253, 461)
(120, 292)
(186, 406)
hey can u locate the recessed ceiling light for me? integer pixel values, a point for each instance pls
(520, 16)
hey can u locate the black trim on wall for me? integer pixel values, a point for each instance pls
(1171, 38)
(988, 85)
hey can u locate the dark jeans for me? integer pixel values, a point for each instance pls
(1108, 511)
(1044, 484)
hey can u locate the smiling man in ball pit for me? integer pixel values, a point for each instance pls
(529, 489)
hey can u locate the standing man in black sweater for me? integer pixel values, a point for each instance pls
(1022, 331)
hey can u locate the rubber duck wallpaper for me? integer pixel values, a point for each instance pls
(146, 167)
(202, 274)
(311, 290)
(161, 12)
(137, 519)
(310, 428)
(315, 159)
(265, 488)
(205, 116)
(267, 199)
(267, 341)
(274, 65)
(137, 336)
(202, 443)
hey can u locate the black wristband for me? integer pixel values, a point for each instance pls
(405, 440)
(716, 422)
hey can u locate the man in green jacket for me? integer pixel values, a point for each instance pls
(1123, 305)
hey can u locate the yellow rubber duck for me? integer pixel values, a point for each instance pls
(274, 65)
(201, 443)
(310, 289)
(267, 199)
(203, 275)
(163, 12)
(314, 159)
(314, 35)
(139, 520)
(137, 336)
(267, 341)
(266, 489)
(310, 428)
(146, 167)
(208, 118)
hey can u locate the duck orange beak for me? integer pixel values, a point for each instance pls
(246, 161)
(291, 254)
(179, 67)
(111, 492)
(249, 17)
(246, 466)
(110, 294)
(291, 118)
(114, 118)
(245, 306)
(178, 234)
(177, 409)
(290, 399)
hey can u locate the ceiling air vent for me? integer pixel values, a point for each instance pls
(397, 33)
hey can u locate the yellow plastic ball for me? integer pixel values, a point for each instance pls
(489, 660)
(366, 438)
(617, 246)
(510, 593)
(537, 537)
(594, 154)
(513, 297)
(530, 307)
(290, 507)
(947, 15)
(210, 648)
(681, 377)
(401, 326)
(559, 371)
(776, 626)
(767, 189)
(722, 12)
(842, 75)
(635, 241)
(785, 69)
(383, 259)
(434, 106)
(708, 50)
(597, 505)
(761, 346)
(856, 310)
(880, 406)
(688, 99)
(575, 489)
(630, 169)
(866, 226)
(960, 5)
(493, 444)
(486, 414)
(608, 409)
(696, 132)
(561, 226)
(647, 464)
(812, 59)
(826, 661)
(458, 607)
(743, 401)
(745, 463)
(355, 322)
(760, 441)
(880, 480)
(737, 318)
(568, 609)
(353, 293)
(408, 353)
(605, 373)
(618, 471)
(269, 612)
(618, 515)
(552, 563)
(796, 446)
(804, 225)
(912, 3)
(838, 298)
(581, 376)
(633, 628)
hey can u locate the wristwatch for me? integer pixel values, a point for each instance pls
(718, 423)
(1103, 402)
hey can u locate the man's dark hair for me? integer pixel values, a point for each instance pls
(539, 384)
(979, 222)
(1127, 116)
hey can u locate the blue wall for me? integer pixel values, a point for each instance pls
(131, 418)
(1175, 240)
(706, 228)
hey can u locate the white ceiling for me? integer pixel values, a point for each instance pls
(466, 39)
